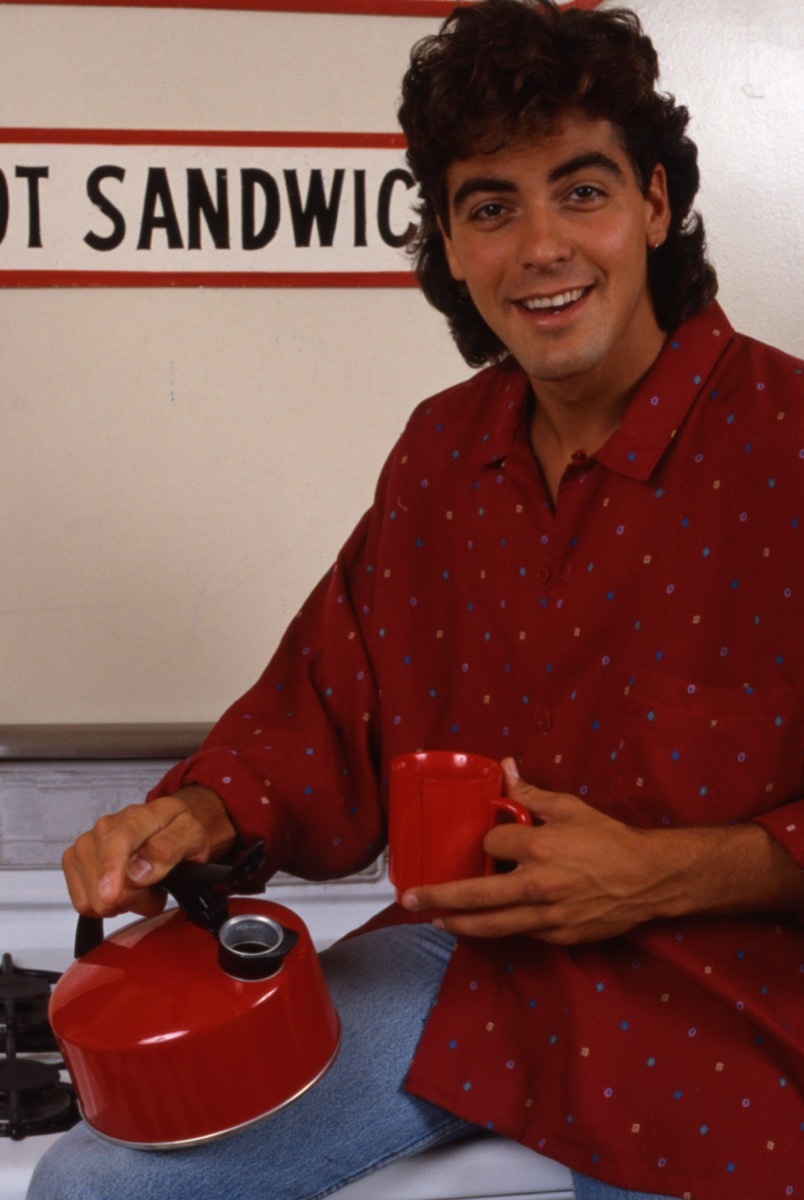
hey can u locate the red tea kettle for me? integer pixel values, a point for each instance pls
(186, 1026)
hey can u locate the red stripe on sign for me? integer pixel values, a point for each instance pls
(203, 137)
(387, 8)
(126, 279)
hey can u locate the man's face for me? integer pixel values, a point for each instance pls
(551, 238)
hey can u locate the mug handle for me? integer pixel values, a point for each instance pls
(521, 815)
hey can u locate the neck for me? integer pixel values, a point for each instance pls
(567, 428)
(557, 439)
(568, 422)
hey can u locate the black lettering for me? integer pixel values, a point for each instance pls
(251, 178)
(157, 191)
(111, 240)
(33, 175)
(3, 206)
(360, 208)
(384, 207)
(317, 209)
(200, 201)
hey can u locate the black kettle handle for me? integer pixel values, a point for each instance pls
(88, 935)
(194, 887)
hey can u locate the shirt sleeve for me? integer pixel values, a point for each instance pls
(786, 825)
(295, 760)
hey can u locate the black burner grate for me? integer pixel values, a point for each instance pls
(32, 1097)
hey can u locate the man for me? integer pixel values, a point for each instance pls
(580, 561)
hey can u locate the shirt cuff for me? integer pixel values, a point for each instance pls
(786, 825)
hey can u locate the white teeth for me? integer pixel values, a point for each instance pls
(554, 301)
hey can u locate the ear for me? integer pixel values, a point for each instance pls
(657, 208)
(449, 252)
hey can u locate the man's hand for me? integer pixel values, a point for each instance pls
(114, 866)
(582, 876)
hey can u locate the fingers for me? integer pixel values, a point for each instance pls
(109, 869)
(489, 923)
(541, 924)
(491, 907)
(115, 897)
(520, 903)
(573, 880)
(514, 843)
(544, 804)
(466, 895)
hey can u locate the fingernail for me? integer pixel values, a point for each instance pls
(410, 902)
(138, 869)
(105, 887)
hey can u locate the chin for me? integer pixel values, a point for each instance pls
(555, 369)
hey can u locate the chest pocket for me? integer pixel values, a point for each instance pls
(696, 754)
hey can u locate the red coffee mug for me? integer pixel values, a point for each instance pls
(442, 804)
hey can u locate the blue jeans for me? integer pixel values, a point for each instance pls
(357, 1119)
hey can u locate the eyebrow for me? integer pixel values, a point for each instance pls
(580, 162)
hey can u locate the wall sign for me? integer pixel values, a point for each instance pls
(129, 208)
(393, 8)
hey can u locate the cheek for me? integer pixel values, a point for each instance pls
(621, 246)
(483, 269)
(624, 261)
(626, 248)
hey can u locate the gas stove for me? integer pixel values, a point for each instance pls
(37, 926)
(34, 1096)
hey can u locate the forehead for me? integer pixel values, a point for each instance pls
(576, 138)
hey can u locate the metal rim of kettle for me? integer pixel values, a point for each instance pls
(187, 1143)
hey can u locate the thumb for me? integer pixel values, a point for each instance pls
(512, 778)
(541, 803)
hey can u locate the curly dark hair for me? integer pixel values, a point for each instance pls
(501, 70)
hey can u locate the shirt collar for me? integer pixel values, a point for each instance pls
(506, 414)
(666, 394)
(662, 400)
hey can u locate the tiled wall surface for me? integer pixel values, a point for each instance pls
(45, 805)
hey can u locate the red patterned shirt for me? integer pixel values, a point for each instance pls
(638, 644)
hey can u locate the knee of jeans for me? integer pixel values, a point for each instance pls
(48, 1179)
(63, 1172)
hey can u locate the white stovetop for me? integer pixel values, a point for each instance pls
(37, 922)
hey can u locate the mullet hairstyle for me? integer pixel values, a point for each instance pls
(500, 71)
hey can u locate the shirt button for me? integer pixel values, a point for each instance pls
(544, 575)
(544, 722)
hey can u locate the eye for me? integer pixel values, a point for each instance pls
(586, 193)
(491, 210)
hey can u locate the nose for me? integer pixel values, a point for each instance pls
(543, 239)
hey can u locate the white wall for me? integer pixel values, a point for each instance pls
(178, 466)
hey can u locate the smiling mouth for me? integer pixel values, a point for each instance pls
(554, 304)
